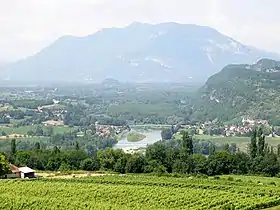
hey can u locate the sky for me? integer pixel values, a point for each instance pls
(27, 26)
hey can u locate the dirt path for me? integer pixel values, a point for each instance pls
(67, 176)
(273, 208)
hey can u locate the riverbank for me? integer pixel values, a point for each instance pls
(150, 138)
(148, 127)
(122, 135)
(135, 137)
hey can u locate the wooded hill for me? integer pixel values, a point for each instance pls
(241, 91)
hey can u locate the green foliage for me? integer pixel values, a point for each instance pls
(241, 91)
(39, 131)
(77, 145)
(64, 167)
(212, 149)
(89, 164)
(4, 166)
(261, 142)
(130, 192)
(226, 147)
(135, 164)
(253, 145)
(166, 134)
(187, 143)
(31, 104)
(13, 147)
(278, 150)
(51, 159)
(108, 158)
(37, 146)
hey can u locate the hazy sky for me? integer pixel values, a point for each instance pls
(26, 26)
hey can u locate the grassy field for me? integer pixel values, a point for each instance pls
(135, 137)
(141, 192)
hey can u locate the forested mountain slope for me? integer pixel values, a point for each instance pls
(238, 91)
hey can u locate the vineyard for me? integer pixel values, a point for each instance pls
(141, 192)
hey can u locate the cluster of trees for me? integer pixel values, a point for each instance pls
(39, 131)
(4, 119)
(215, 130)
(52, 160)
(30, 104)
(89, 143)
(80, 115)
(163, 157)
(44, 159)
(88, 140)
(173, 156)
(167, 133)
(26, 117)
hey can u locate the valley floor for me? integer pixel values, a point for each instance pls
(141, 192)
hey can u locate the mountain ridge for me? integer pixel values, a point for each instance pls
(140, 52)
(237, 91)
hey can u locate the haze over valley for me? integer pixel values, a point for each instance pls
(139, 104)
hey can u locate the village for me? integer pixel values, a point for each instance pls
(246, 127)
(242, 129)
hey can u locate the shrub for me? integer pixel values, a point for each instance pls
(230, 178)
(272, 183)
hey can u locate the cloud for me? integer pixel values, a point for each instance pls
(29, 25)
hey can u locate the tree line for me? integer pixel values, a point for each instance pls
(162, 157)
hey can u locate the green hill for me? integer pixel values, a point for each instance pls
(241, 91)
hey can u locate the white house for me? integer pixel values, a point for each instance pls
(26, 172)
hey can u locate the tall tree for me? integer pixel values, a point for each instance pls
(49, 131)
(166, 134)
(278, 150)
(77, 146)
(212, 149)
(172, 129)
(56, 150)
(187, 143)
(4, 165)
(13, 148)
(271, 150)
(233, 147)
(261, 142)
(37, 146)
(253, 144)
(39, 131)
(226, 147)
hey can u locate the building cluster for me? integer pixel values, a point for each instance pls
(233, 130)
(108, 130)
(246, 127)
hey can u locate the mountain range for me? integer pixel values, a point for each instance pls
(242, 91)
(140, 52)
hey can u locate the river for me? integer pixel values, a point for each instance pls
(151, 137)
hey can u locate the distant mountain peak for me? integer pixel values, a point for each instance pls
(139, 52)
